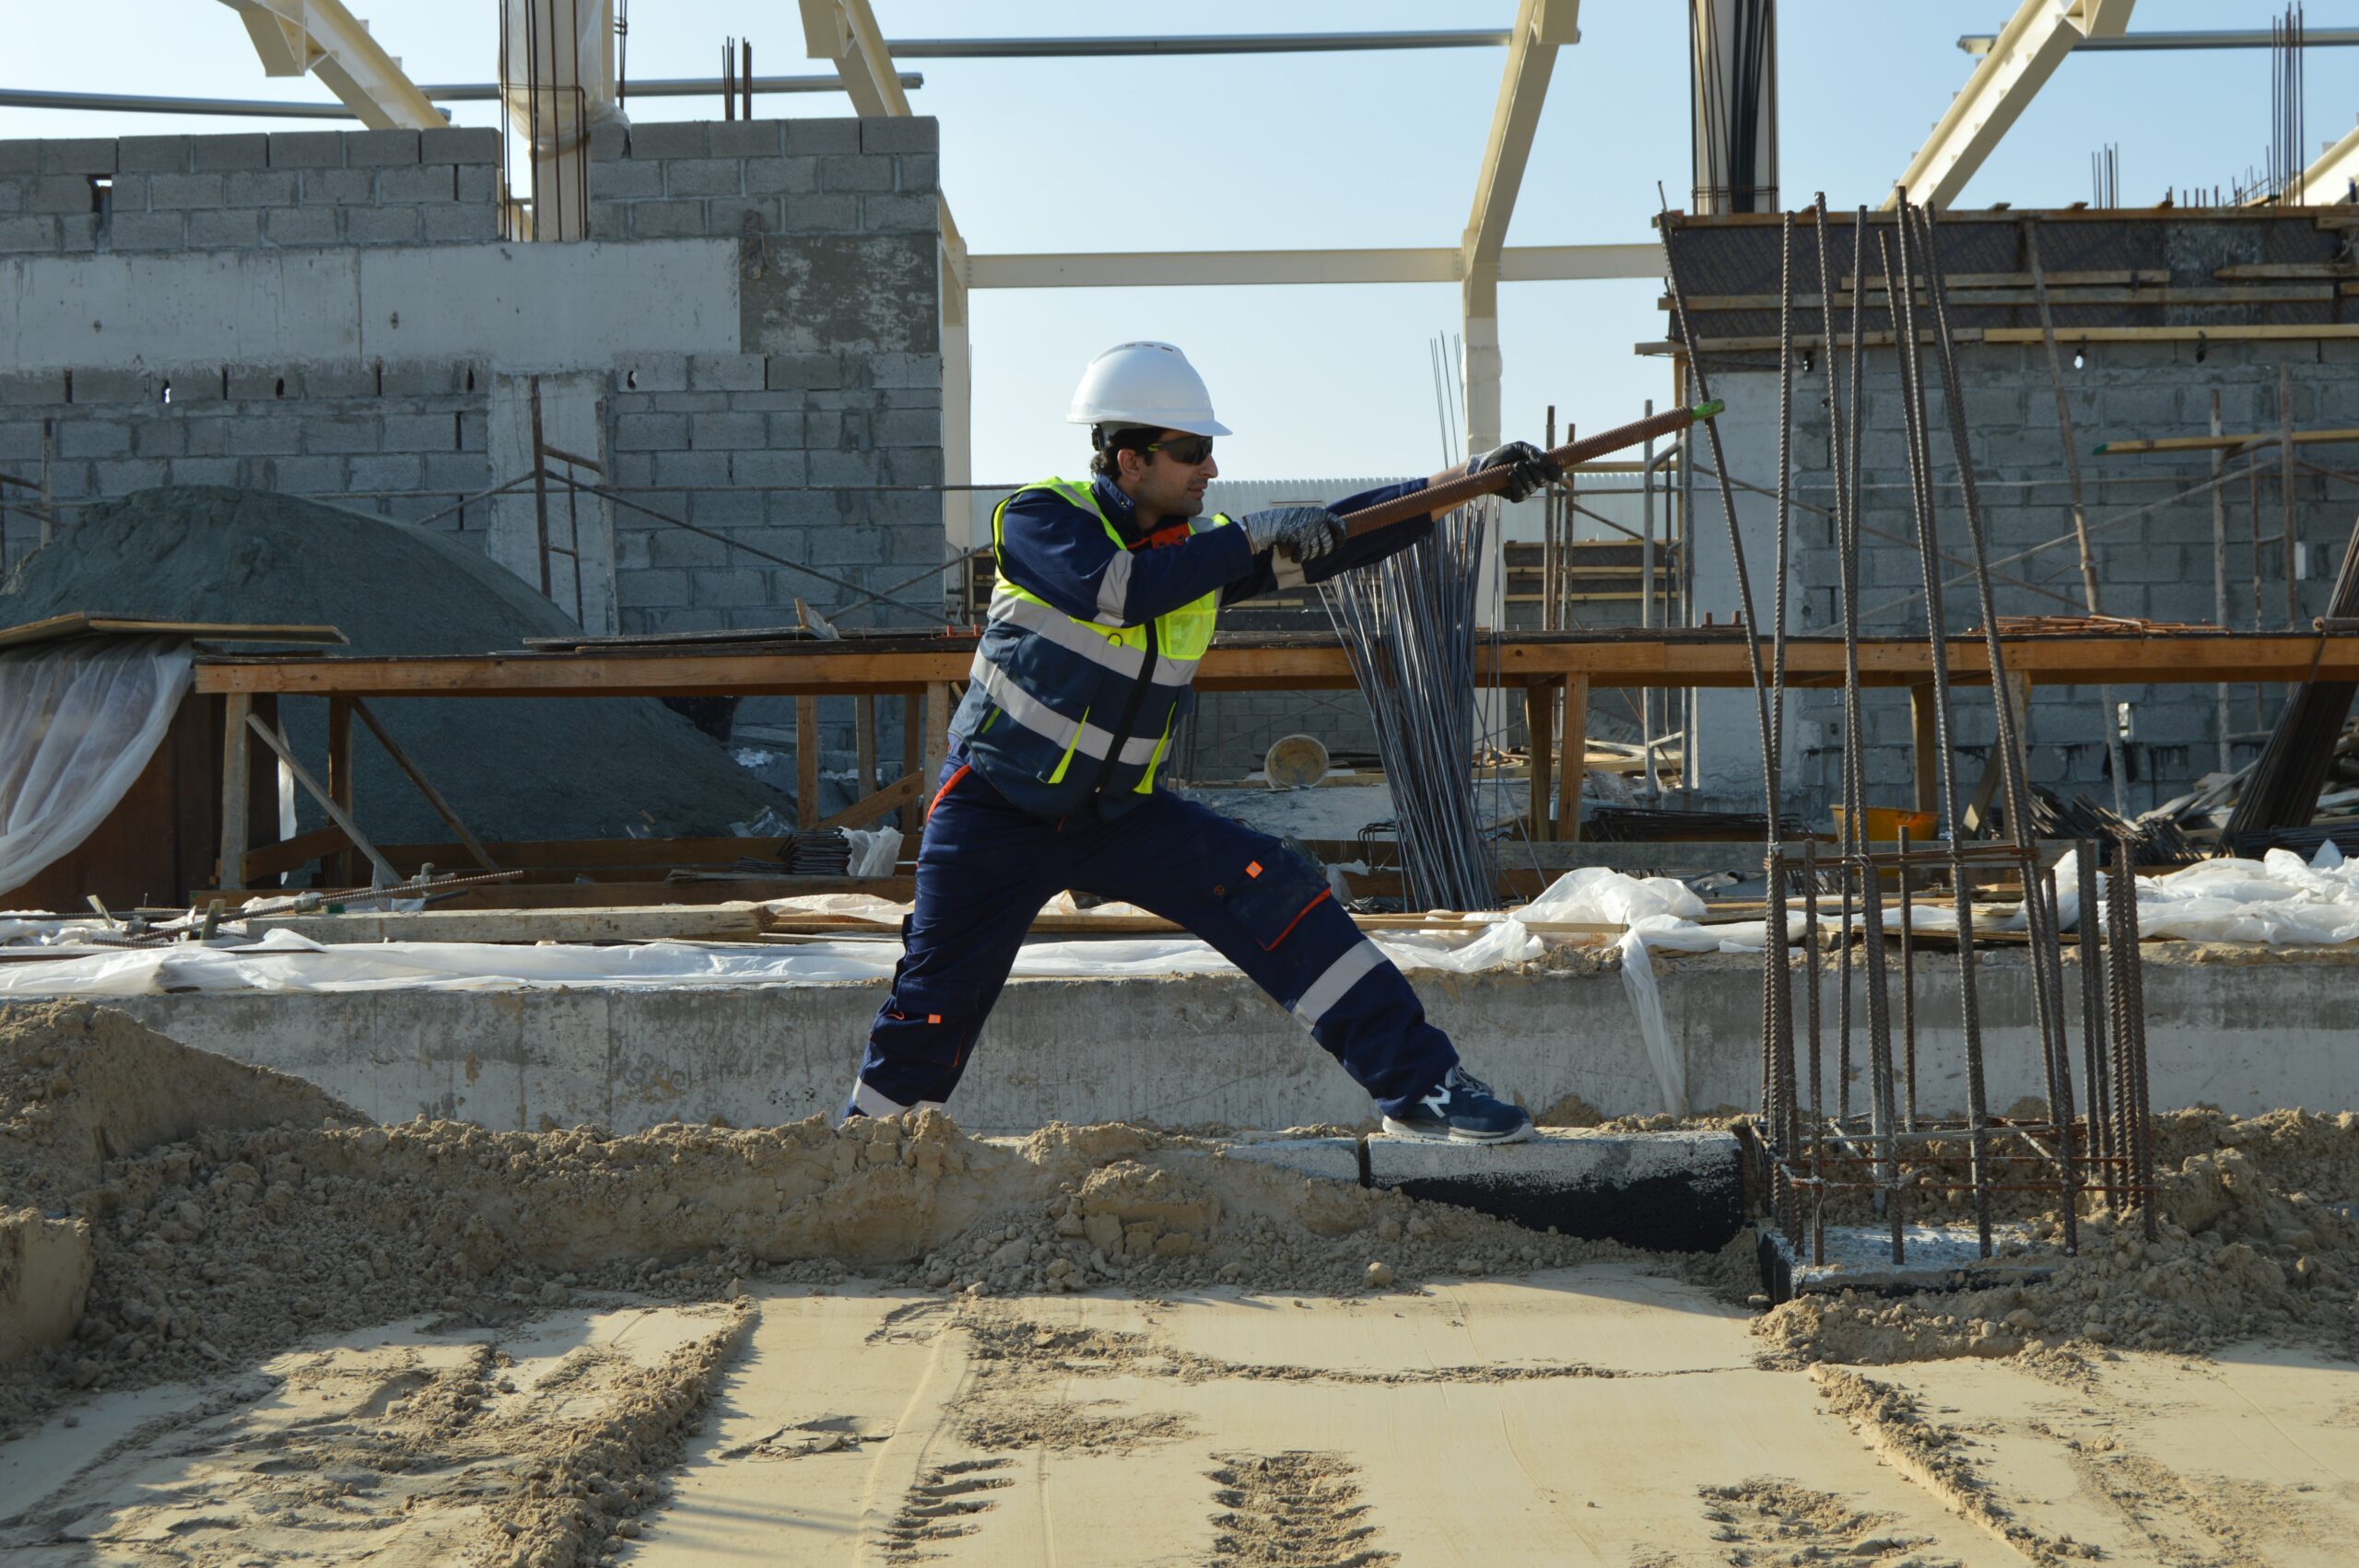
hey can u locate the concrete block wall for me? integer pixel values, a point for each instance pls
(250, 191)
(801, 414)
(2157, 565)
(696, 178)
(400, 440)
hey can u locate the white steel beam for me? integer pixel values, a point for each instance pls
(1187, 269)
(845, 32)
(322, 39)
(1541, 26)
(2025, 53)
(2334, 178)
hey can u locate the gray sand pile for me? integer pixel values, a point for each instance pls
(513, 768)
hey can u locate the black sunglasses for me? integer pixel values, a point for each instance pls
(1184, 449)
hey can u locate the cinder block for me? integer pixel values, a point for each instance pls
(729, 587)
(789, 431)
(822, 136)
(36, 235)
(670, 548)
(704, 175)
(152, 155)
(459, 224)
(668, 221)
(846, 546)
(610, 220)
(122, 476)
(650, 432)
(609, 144)
(919, 132)
(264, 434)
(731, 510)
(918, 173)
(247, 149)
(692, 468)
(477, 184)
(341, 433)
(854, 172)
(60, 194)
(204, 470)
(19, 440)
(310, 475)
(726, 372)
(744, 139)
(182, 192)
(193, 386)
(692, 403)
(769, 467)
(419, 182)
(649, 589)
(89, 437)
(165, 437)
(382, 226)
(77, 154)
(822, 214)
(777, 176)
(907, 427)
(669, 138)
(912, 465)
(900, 215)
(632, 180)
(726, 432)
(465, 473)
(728, 216)
(388, 471)
(417, 432)
(260, 188)
(766, 403)
(225, 228)
(850, 468)
(31, 387)
(20, 154)
(147, 231)
(339, 187)
(306, 149)
(12, 197)
(377, 148)
(905, 369)
(299, 226)
(425, 378)
(459, 143)
(78, 232)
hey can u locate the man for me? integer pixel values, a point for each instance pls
(1106, 599)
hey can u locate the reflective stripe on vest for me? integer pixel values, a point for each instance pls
(1078, 637)
(1071, 734)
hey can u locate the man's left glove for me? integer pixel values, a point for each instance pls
(1306, 533)
(1528, 468)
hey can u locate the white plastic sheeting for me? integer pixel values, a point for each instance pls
(78, 722)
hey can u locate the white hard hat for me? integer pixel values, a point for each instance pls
(1144, 383)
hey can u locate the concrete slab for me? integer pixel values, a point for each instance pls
(1663, 1191)
(1934, 1258)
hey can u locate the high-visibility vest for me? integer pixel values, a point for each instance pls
(1057, 706)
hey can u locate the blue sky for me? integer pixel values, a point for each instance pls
(1336, 150)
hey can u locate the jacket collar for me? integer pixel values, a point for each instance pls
(1118, 507)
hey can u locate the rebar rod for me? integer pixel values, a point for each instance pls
(2092, 1001)
(1900, 286)
(2045, 967)
(1776, 970)
(1907, 983)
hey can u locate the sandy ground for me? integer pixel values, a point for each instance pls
(1597, 1414)
(305, 1339)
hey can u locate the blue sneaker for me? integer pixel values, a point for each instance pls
(1462, 1110)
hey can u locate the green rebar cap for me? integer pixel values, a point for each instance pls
(1706, 410)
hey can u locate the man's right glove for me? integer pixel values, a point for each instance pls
(1306, 533)
(1530, 469)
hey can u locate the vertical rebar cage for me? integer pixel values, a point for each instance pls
(556, 75)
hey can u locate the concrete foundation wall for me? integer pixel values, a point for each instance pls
(332, 314)
(2159, 565)
(1206, 1050)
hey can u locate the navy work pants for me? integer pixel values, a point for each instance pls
(985, 869)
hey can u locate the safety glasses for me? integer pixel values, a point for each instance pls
(1184, 449)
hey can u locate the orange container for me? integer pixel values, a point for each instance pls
(1883, 823)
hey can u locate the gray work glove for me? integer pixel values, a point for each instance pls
(1305, 533)
(1528, 468)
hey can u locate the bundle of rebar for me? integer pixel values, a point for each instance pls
(2285, 784)
(1409, 624)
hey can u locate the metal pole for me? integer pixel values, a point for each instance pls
(540, 488)
(2219, 575)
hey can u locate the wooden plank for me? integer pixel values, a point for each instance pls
(1925, 748)
(274, 860)
(310, 786)
(863, 740)
(737, 921)
(913, 761)
(416, 775)
(343, 870)
(2219, 444)
(1965, 298)
(237, 787)
(83, 624)
(637, 894)
(1574, 778)
(806, 762)
(891, 798)
(2018, 279)
(941, 701)
(1540, 732)
(2323, 330)
(1754, 344)
(2269, 272)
